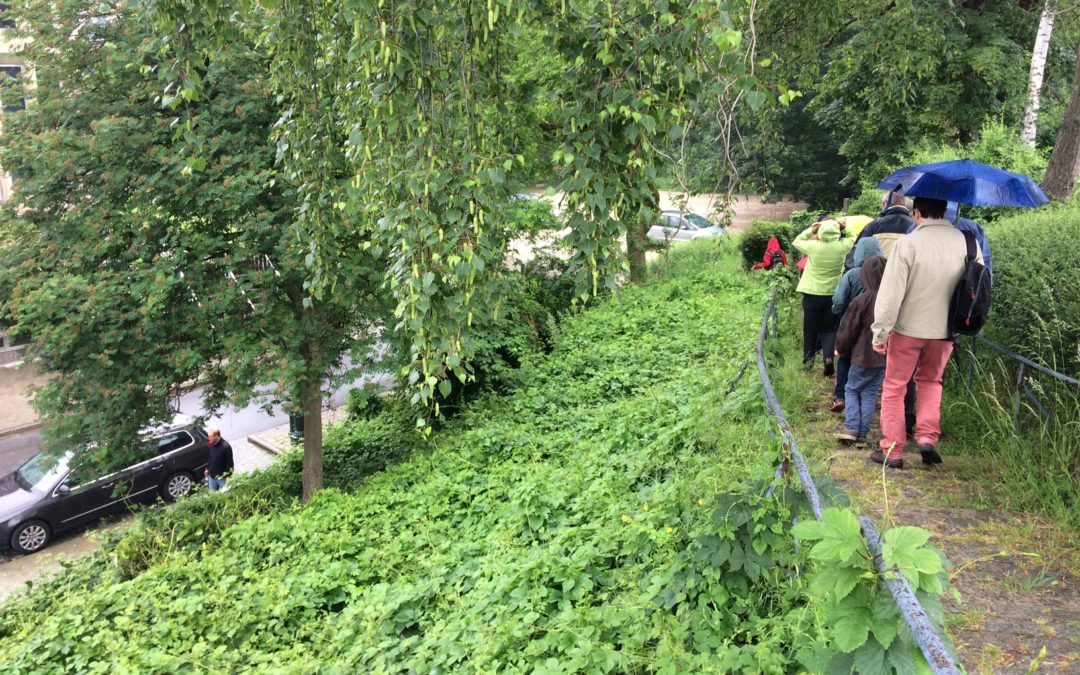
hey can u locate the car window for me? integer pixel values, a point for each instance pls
(698, 220)
(173, 441)
(40, 472)
(671, 221)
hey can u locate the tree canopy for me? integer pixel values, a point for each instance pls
(152, 236)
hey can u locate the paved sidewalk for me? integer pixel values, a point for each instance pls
(277, 441)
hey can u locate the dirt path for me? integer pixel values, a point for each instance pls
(1016, 572)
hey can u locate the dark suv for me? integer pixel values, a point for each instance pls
(43, 497)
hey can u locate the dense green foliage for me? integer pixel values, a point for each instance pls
(756, 239)
(588, 521)
(884, 78)
(1036, 307)
(151, 239)
(996, 145)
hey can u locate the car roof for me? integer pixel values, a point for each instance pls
(179, 421)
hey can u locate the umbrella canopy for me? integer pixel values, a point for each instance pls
(967, 182)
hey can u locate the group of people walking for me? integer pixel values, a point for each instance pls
(876, 305)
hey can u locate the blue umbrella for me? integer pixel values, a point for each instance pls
(967, 182)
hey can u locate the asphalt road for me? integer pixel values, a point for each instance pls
(14, 450)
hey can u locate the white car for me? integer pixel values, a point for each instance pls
(680, 226)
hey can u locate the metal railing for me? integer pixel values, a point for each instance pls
(1021, 388)
(926, 636)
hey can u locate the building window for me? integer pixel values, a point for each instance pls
(9, 80)
(5, 21)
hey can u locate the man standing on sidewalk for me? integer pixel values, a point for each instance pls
(220, 464)
(911, 327)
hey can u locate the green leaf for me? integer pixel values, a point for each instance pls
(838, 581)
(849, 633)
(842, 539)
(808, 530)
(870, 659)
(903, 549)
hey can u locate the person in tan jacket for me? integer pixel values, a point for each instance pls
(911, 327)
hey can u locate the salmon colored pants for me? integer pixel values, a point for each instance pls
(926, 359)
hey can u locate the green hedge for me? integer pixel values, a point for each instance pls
(1036, 308)
(756, 239)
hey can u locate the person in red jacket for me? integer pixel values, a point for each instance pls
(774, 256)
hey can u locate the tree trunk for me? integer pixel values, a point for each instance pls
(312, 472)
(635, 247)
(1061, 171)
(1035, 74)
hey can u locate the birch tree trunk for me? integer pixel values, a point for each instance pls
(1035, 74)
(1060, 179)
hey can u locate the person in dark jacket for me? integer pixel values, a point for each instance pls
(774, 256)
(867, 366)
(894, 222)
(220, 464)
(850, 288)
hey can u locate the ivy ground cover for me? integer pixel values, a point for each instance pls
(581, 522)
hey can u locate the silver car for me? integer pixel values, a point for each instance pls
(681, 226)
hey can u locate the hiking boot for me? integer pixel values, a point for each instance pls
(837, 405)
(929, 454)
(862, 442)
(830, 370)
(845, 434)
(878, 457)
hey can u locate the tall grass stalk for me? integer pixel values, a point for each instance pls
(1039, 458)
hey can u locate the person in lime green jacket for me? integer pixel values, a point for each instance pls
(825, 245)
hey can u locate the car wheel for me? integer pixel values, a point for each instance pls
(177, 485)
(31, 536)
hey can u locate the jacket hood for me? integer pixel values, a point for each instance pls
(871, 272)
(829, 231)
(774, 245)
(866, 249)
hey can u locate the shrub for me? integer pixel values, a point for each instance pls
(192, 522)
(583, 522)
(364, 401)
(1036, 308)
(756, 239)
(359, 447)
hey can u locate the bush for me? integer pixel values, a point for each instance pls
(583, 522)
(756, 239)
(1036, 309)
(360, 447)
(192, 522)
(365, 401)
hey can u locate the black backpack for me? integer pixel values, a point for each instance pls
(776, 260)
(970, 304)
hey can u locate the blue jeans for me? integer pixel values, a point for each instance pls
(843, 365)
(860, 397)
(217, 483)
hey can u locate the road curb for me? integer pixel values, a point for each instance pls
(266, 445)
(21, 429)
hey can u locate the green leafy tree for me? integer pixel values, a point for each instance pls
(154, 241)
(886, 76)
(410, 100)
